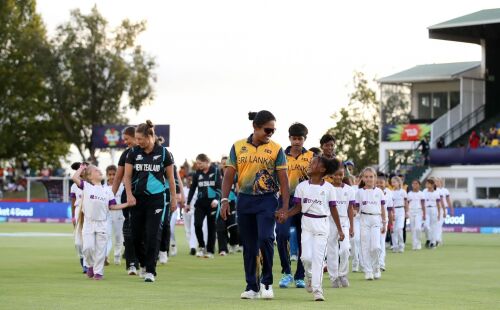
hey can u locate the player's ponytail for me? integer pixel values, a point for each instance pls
(148, 130)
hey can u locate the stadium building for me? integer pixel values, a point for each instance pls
(447, 102)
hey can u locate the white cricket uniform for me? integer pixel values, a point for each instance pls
(76, 193)
(445, 194)
(389, 203)
(431, 200)
(96, 200)
(339, 250)
(115, 225)
(189, 222)
(356, 241)
(316, 201)
(416, 216)
(399, 198)
(370, 203)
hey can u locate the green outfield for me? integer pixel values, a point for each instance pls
(43, 273)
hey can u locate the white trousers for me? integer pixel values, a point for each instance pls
(398, 243)
(94, 244)
(416, 228)
(431, 224)
(314, 241)
(338, 250)
(381, 259)
(356, 243)
(189, 229)
(115, 231)
(173, 221)
(370, 242)
(440, 227)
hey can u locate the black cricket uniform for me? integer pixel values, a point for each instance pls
(128, 242)
(209, 188)
(229, 226)
(148, 187)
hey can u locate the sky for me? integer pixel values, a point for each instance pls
(217, 60)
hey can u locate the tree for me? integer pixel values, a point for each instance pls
(396, 108)
(92, 73)
(27, 130)
(357, 125)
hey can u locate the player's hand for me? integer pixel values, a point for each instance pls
(423, 218)
(187, 208)
(224, 211)
(382, 229)
(173, 204)
(351, 232)
(214, 204)
(131, 200)
(341, 235)
(73, 220)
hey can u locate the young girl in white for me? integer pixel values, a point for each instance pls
(416, 203)
(400, 199)
(316, 199)
(76, 200)
(370, 201)
(389, 216)
(96, 203)
(116, 218)
(338, 251)
(432, 210)
(356, 240)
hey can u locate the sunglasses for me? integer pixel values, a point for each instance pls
(269, 131)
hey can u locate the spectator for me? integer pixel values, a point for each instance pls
(492, 134)
(440, 143)
(474, 140)
(483, 138)
(424, 149)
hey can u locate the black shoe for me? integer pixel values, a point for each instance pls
(192, 251)
(427, 243)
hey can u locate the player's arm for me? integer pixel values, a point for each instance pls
(450, 205)
(192, 189)
(118, 179)
(407, 207)
(336, 219)
(73, 207)
(171, 182)
(127, 181)
(181, 188)
(76, 176)
(439, 206)
(227, 183)
(284, 188)
(297, 207)
(350, 214)
(422, 202)
(383, 215)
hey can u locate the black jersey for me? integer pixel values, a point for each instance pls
(176, 179)
(123, 158)
(148, 176)
(208, 184)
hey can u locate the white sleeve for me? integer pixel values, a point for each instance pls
(405, 194)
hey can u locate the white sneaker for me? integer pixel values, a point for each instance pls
(239, 249)
(368, 276)
(118, 260)
(149, 277)
(377, 275)
(223, 253)
(163, 258)
(336, 283)
(293, 258)
(266, 294)
(201, 252)
(232, 249)
(249, 295)
(209, 255)
(344, 281)
(173, 250)
(142, 272)
(132, 271)
(308, 283)
(318, 296)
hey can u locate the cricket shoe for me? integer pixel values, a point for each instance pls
(249, 295)
(318, 296)
(344, 281)
(173, 250)
(266, 293)
(369, 276)
(98, 277)
(377, 275)
(132, 271)
(300, 283)
(163, 258)
(201, 252)
(149, 277)
(90, 272)
(336, 283)
(286, 280)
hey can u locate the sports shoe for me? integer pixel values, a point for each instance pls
(209, 255)
(344, 281)
(149, 277)
(249, 295)
(368, 276)
(84, 269)
(308, 284)
(223, 253)
(266, 293)
(118, 260)
(293, 258)
(232, 249)
(163, 258)
(286, 280)
(318, 296)
(355, 268)
(132, 271)
(377, 275)
(142, 272)
(98, 277)
(90, 272)
(336, 283)
(239, 249)
(173, 250)
(192, 251)
(201, 252)
(300, 283)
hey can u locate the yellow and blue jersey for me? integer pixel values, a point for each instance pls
(257, 166)
(297, 167)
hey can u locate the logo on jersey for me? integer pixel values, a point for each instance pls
(244, 149)
(307, 200)
(139, 157)
(156, 157)
(158, 211)
(268, 151)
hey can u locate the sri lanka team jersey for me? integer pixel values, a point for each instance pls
(257, 166)
(297, 167)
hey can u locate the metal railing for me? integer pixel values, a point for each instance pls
(464, 125)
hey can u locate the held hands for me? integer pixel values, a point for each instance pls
(131, 200)
(173, 204)
(225, 211)
(351, 232)
(281, 215)
(382, 229)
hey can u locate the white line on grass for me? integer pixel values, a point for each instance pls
(35, 234)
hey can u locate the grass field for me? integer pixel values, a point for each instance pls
(43, 273)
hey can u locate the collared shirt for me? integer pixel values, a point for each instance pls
(315, 199)
(297, 167)
(257, 166)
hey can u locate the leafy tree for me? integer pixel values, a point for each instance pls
(27, 130)
(93, 68)
(357, 125)
(396, 108)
